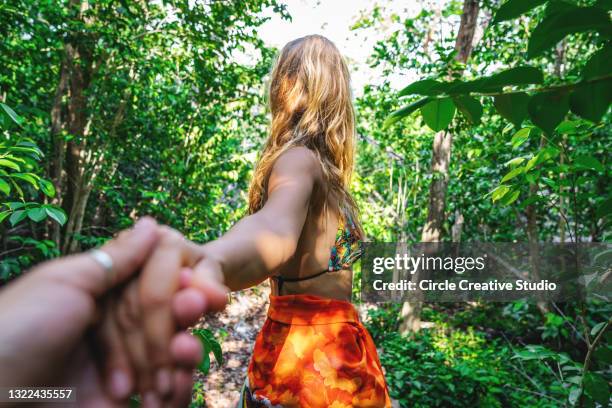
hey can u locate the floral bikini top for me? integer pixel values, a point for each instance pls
(347, 249)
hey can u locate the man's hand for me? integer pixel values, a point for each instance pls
(49, 315)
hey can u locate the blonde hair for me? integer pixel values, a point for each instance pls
(311, 106)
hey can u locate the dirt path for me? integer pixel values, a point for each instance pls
(242, 320)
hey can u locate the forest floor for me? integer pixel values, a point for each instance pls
(242, 319)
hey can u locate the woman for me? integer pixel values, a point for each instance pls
(302, 232)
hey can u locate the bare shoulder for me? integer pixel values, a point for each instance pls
(299, 161)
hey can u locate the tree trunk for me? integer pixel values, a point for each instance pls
(441, 155)
(76, 194)
(59, 145)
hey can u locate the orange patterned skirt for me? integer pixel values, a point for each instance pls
(314, 352)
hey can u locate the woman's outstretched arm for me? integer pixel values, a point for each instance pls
(243, 257)
(260, 243)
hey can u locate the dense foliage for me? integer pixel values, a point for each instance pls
(111, 110)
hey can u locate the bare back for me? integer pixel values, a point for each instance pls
(313, 251)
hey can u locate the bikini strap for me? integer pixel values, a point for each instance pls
(281, 279)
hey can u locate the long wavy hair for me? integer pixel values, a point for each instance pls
(311, 106)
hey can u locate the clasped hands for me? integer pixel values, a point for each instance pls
(112, 334)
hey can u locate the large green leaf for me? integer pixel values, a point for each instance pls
(523, 75)
(554, 27)
(604, 4)
(591, 101)
(600, 64)
(470, 107)
(512, 107)
(514, 8)
(438, 113)
(547, 109)
(589, 162)
(403, 112)
(427, 87)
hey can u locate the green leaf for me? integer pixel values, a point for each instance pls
(600, 63)
(589, 162)
(210, 344)
(603, 353)
(5, 187)
(513, 173)
(546, 154)
(596, 387)
(403, 112)
(215, 347)
(523, 75)
(438, 113)
(470, 107)
(427, 87)
(15, 205)
(204, 366)
(37, 214)
(510, 197)
(4, 214)
(604, 209)
(17, 217)
(568, 126)
(10, 164)
(515, 8)
(56, 213)
(11, 113)
(28, 177)
(47, 187)
(531, 163)
(591, 101)
(515, 162)
(512, 107)
(499, 192)
(574, 394)
(597, 328)
(520, 137)
(547, 109)
(556, 26)
(604, 4)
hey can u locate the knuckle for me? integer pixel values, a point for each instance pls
(126, 320)
(156, 298)
(170, 235)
